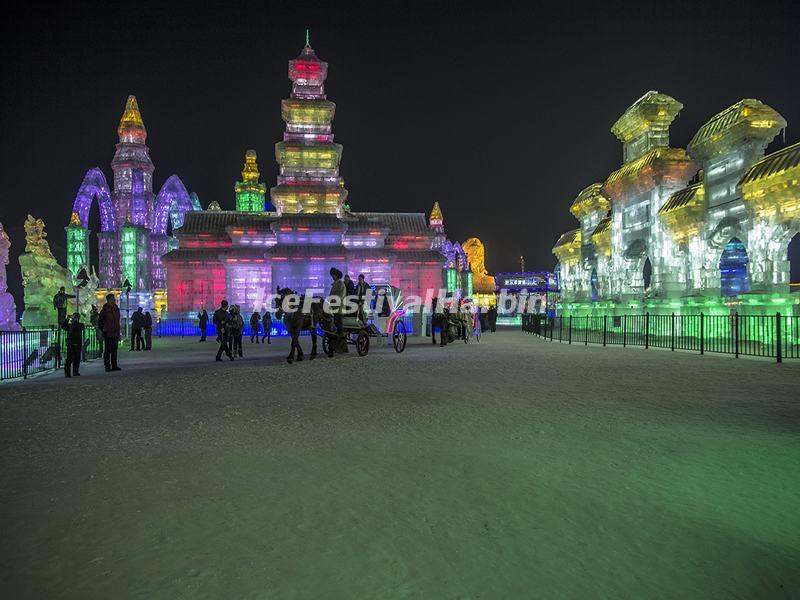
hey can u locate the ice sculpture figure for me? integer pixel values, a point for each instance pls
(482, 282)
(8, 310)
(41, 276)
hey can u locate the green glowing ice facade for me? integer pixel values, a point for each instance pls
(701, 229)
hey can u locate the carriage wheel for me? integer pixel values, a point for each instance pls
(399, 336)
(362, 343)
(326, 345)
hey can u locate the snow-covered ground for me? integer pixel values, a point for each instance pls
(512, 468)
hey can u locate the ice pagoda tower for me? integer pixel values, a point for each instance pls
(308, 181)
(250, 192)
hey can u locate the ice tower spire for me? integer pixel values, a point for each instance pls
(436, 220)
(309, 179)
(133, 170)
(249, 192)
(131, 126)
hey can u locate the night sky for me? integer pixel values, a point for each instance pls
(500, 111)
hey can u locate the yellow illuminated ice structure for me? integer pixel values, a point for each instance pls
(771, 187)
(309, 198)
(436, 220)
(250, 172)
(307, 112)
(745, 121)
(657, 167)
(131, 126)
(590, 200)
(250, 194)
(601, 237)
(568, 247)
(683, 214)
(482, 282)
(652, 113)
(295, 156)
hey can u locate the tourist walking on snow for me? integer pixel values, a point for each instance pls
(202, 317)
(237, 330)
(255, 320)
(74, 329)
(267, 324)
(147, 326)
(108, 321)
(222, 321)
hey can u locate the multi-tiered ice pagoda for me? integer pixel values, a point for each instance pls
(702, 229)
(243, 255)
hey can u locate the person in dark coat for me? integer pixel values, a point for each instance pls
(491, 317)
(74, 329)
(255, 320)
(338, 290)
(362, 290)
(266, 322)
(349, 286)
(60, 304)
(237, 328)
(202, 317)
(108, 322)
(137, 322)
(147, 326)
(94, 321)
(222, 321)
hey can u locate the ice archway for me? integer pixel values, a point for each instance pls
(94, 185)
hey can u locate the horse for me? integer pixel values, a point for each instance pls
(298, 321)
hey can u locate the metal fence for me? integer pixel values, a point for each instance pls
(185, 327)
(41, 349)
(773, 336)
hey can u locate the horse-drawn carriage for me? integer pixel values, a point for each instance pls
(382, 319)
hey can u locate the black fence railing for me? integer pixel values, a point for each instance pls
(41, 349)
(773, 336)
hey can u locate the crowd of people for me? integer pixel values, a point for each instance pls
(228, 322)
(105, 326)
(229, 325)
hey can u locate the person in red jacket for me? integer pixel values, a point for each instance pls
(108, 322)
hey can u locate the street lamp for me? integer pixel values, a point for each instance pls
(127, 286)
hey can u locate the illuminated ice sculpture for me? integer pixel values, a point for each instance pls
(673, 230)
(243, 255)
(42, 276)
(135, 224)
(8, 310)
(309, 159)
